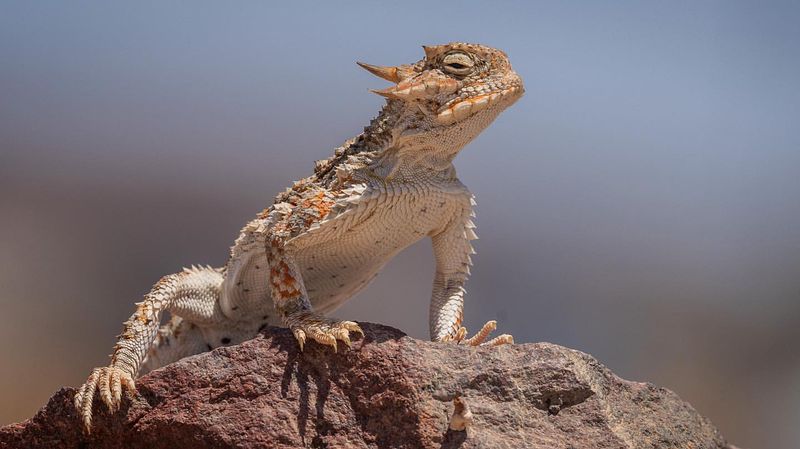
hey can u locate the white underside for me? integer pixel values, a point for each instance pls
(346, 251)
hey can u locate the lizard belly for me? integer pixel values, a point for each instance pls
(345, 253)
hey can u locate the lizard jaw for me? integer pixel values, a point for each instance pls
(461, 109)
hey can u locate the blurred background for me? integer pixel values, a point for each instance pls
(640, 203)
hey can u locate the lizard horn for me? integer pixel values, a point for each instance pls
(387, 73)
(432, 51)
(389, 92)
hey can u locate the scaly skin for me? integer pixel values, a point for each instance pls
(328, 235)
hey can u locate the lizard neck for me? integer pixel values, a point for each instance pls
(407, 146)
(403, 143)
(360, 151)
(420, 148)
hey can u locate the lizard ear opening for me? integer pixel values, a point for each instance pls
(387, 73)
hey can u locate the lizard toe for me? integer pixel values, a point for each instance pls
(352, 326)
(343, 335)
(300, 336)
(324, 337)
(322, 330)
(482, 334)
(85, 397)
(115, 387)
(479, 339)
(505, 339)
(108, 382)
(103, 387)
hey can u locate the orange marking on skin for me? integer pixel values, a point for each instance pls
(280, 227)
(457, 324)
(319, 203)
(142, 314)
(283, 283)
(291, 293)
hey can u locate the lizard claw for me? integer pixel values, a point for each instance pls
(478, 339)
(108, 381)
(320, 329)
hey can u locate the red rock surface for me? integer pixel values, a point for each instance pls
(388, 391)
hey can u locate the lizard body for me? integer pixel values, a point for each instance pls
(327, 236)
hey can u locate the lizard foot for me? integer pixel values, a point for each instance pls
(323, 330)
(478, 339)
(108, 381)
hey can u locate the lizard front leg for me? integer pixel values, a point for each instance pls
(452, 249)
(192, 295)
(291, 301)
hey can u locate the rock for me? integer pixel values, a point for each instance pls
(388, 391)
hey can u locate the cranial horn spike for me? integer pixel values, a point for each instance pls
(388, 93)
(431, 51)
(387, 73)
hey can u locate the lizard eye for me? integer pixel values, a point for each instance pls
(458, 63)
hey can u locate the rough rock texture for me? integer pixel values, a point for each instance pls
(388, 391)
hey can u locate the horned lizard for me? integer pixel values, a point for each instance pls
(328, 235)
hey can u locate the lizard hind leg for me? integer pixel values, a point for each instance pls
(176, 339)
(192, 295)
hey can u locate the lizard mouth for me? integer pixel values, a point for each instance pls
(460, 108)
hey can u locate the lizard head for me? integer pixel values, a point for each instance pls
(452, 94)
